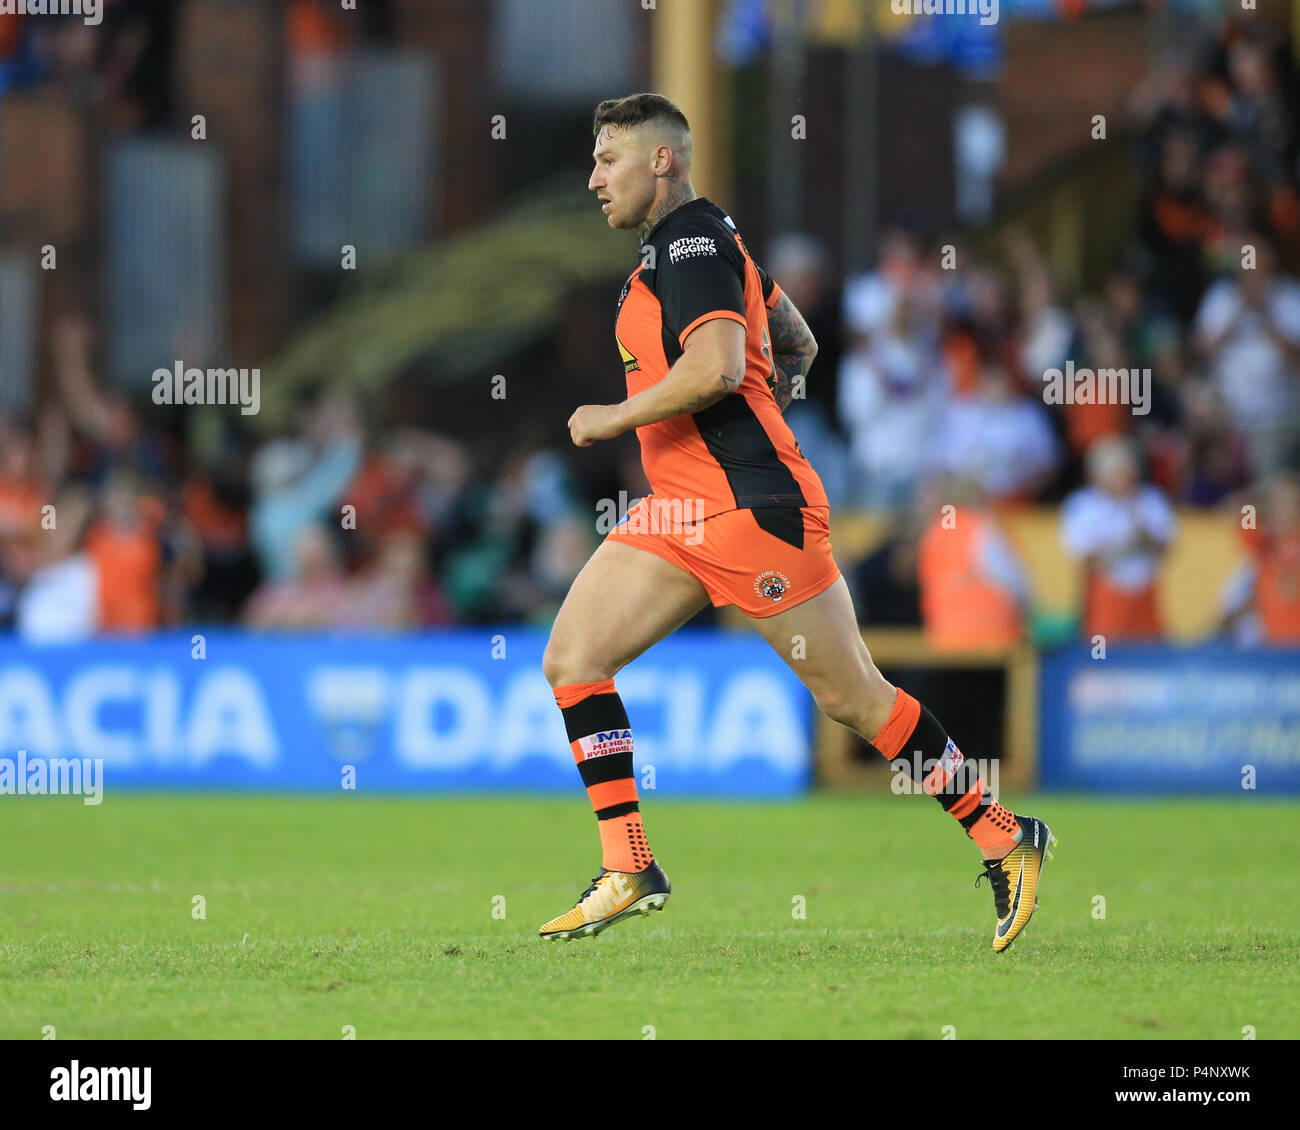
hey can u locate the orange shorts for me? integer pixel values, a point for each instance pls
(762, 561)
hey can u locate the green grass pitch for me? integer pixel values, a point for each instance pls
(406, 917)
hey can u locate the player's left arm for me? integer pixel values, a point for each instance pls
(793, 351)
(711, 366)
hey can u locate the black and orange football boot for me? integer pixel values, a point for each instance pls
(1014, 879)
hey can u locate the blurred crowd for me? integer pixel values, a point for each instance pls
(926, 408)
(107, 526)
(942, 358)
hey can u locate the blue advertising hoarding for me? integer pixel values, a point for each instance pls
(1168, 720)
(712, 714)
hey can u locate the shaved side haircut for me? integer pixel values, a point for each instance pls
(646, 109)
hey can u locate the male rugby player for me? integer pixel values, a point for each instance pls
(711, 349)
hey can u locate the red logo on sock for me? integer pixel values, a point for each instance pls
(604, 743)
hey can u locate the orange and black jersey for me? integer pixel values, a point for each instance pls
(738, 453)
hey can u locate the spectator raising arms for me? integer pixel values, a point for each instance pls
(296, 481)
(1248, 330)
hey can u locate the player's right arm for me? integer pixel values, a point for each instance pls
(793, 350)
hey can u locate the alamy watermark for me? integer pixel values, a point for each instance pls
(987, 10)
(936, 774)
(91, 11)
(179, 385)
(76, 1083)
(653, 515)
(1099, 386)
(53, 776)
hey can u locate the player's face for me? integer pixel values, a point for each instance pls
(622, 179)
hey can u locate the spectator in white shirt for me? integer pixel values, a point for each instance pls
(60, 602)
(1000, 439)
(892, 389)
(892, 384)
(1120, 529)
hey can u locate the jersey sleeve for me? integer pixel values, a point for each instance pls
(771, 292)
(698, 279)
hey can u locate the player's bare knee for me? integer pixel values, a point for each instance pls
(555, 664)
(564, 666)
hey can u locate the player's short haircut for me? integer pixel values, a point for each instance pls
(640, 109)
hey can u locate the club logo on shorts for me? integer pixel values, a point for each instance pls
(771, 584)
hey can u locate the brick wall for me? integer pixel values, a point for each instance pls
(229, 68)
(457, 34)
(1057, 77)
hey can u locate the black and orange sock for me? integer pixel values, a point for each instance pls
(601, 740)
(952, 780)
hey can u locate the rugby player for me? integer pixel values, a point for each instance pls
(711, 351)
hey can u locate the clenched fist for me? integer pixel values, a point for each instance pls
(594, 421)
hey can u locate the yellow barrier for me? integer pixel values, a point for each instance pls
(1206, 549)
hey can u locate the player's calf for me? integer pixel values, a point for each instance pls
(863, 705)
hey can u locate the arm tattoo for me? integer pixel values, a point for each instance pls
(793, 349)
(784, 371)
(727, 385)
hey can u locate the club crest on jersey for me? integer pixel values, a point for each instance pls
(605, 742)
(771, 584)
